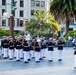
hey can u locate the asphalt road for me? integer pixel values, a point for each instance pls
(66, 67)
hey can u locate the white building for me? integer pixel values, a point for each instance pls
(25, 10)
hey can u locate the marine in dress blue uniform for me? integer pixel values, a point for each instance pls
(18, 48)
(41, 50)
(44, 49)
(15, 39)
(37, 52)
(51, 49)
(5, 47)
(21, 50)
(32, 51)
(2, 52)
(74, 44)
(11, 49)
(60, 48)
(26, 50)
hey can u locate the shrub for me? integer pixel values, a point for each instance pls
(6, 33)
(70, 33)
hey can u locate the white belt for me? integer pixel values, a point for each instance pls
(50, 46)
(25, 46)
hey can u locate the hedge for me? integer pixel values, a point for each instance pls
(70, 33)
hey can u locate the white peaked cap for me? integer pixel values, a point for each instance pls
(50, 38)
(38, 40)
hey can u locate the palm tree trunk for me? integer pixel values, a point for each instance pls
(67, 23)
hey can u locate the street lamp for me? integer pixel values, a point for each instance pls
(7, 15)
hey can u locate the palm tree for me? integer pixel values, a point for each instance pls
(43, 24)
(63, 9)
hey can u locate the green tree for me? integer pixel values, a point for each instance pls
(42, 24)
(63, 9)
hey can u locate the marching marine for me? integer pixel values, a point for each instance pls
(43, 48)
(32, 49)
(11, 48)
(74, 44)
(21, 50)
(5, 47)
(51, 49)
(26, 50)
(18, 48)
(37, 52)
(60, 44)
(2, 52)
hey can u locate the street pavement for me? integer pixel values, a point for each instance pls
(65, 67)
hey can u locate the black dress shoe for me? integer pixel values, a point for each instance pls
(33, 57)
(37, 61)
(60, 60)
(10, 58)
(15, 57)
(50, 60)
(74, 67)
(5, 57)
(40, 59)
(17, 60)
(44, 57)
(2, 54)
(26, 62)
(29, 59)
(21, 58)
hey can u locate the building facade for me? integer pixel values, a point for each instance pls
(25, 9)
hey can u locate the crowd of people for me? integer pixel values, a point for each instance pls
(26, 48)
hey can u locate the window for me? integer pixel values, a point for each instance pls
(21, 3)
(32, 2)
(3, 2)
(12, 1)
(3, 22)
(13, 12)
(3, 10)
(42, 4)
(42, 11)
(21, 23)
(37, 3)
(9, 22)
(32, 12)
(37, 11)
(17, 22)
(21, 13)
(14, 23)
